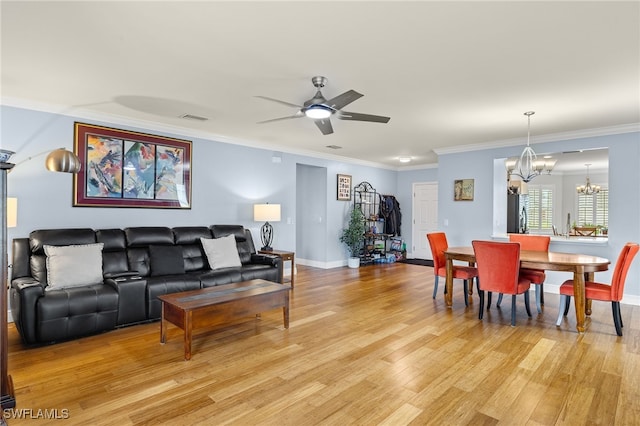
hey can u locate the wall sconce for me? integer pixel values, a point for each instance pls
(266, 213)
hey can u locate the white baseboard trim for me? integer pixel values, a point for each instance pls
(322, 265)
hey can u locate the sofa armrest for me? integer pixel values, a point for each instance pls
(131, 298)
(266, 259)
(24, 295)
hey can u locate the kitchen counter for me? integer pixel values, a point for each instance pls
(559, 239)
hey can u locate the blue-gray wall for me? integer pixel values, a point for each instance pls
(228, 179)
(475, 220)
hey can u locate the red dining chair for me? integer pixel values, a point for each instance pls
(536, 276)
(438, 243)
(498, 266)
(608, 293)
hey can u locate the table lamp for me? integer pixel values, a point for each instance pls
(265, 213)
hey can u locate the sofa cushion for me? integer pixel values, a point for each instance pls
(73, 266)
(54, 237)
(60, 237)
(224, 230)
(144, 236)
(166, 260)
(244, 242)
(76, 311)
(189, 238)
(221, 252)
(220, 276)
(114, 254)
(157, 286)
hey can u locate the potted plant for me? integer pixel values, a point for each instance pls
(353, 236)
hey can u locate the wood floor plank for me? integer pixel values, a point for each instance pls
(366, 346)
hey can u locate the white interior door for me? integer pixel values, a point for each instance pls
(425, 217)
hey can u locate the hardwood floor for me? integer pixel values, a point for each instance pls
(367, 346)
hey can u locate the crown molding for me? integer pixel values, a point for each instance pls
(552, 137)
(114, 119)
(418, 167)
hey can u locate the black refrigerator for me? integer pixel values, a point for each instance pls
(517, 214)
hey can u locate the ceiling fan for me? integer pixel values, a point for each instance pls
(320, 109)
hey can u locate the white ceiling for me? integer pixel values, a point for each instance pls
(449, 74)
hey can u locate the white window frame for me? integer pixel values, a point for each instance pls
(602, 218)
(550, 209)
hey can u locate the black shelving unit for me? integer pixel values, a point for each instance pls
(366, 198)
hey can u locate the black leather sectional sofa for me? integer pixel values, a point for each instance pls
(129, 290)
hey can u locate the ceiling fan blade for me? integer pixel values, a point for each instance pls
(296, 115)
(325, 126)
(344, 99)
(355, 116)
(279, 101)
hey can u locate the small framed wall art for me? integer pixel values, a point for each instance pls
(463, 190)
(130, 169)
(344, 187)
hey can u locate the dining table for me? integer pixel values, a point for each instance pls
(582, 266)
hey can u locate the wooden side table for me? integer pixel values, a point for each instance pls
(284, 255)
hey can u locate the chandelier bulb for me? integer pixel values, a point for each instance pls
(527, 166)
(587, 188)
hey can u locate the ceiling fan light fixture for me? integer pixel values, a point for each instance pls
(319, 109)
(318, 112)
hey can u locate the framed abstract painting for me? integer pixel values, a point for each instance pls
(121, 168)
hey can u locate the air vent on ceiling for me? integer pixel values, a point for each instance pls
(334, 147)
(193, 117)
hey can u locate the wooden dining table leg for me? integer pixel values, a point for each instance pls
(579, 297)
(448, 294)
(588, 276)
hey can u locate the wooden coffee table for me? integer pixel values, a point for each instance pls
(217, 305)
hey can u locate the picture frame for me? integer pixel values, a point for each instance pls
(344, 187)
(121, 168)
(463, 189)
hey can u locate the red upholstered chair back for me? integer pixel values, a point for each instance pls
(531, 242)
(498, 265)
(438, 243)
(625, 258)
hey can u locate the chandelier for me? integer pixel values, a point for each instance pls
(527, 166)
(588, 189)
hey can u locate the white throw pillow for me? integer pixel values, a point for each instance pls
(73, 266)
(221, 252)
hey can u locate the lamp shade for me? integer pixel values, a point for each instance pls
(266, 212)
(61, 160)
(12, 212)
